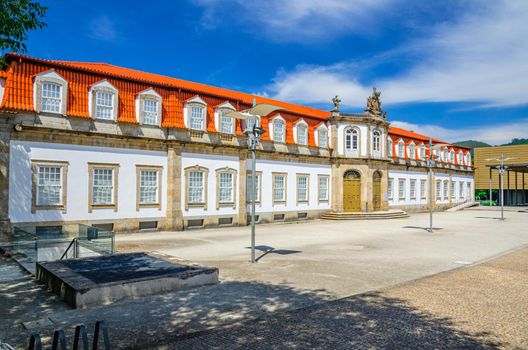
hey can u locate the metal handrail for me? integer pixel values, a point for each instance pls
(74, 243)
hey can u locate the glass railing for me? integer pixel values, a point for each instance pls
(49, 243)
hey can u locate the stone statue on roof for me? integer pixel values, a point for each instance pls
(336, 102)
(374, 103)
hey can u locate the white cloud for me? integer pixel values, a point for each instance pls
(492, 134)
(102, 28)
(482, 57)
(296, 20)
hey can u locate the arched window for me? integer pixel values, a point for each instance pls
(351, 139)
(227, 124)
(422, 152)
(452, 156)
(401, 149)
(302, 134)
(148, 107)
(50, 93)
(445, 155)
(376, 141)
(279, 130)
(352, 174)
(412, 151)
(322, 137)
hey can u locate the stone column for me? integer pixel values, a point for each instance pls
(336, 194)
(174, 219)
(242, 188)
(5, 137)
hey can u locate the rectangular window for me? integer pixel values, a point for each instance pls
(389, 148)
(452, 189)
(302, 135)
(250, 122)
(461, 189)
(401, 148)
(196, 187)
(323, 188)
(446, 193)
(401, 188)
(226, 123)
(302, 188)
(50, 100)
(103, 186)
(412, 188)
(423, 190)
(197, 117)
(279, 188)
(323, 138)
(226, 188)
(49, 186)
(438, 189)
(150, 111)
(390, 185)
(148, 186)
(257, 187)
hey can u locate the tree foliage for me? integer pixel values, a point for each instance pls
(17, 17)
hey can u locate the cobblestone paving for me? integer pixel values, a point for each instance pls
(480, 307)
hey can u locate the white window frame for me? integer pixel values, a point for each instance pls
(50, 77)
(282, 199)
(301, 139)
(222, 121)
(190, 118)
(412, 188)
(401, 149)
(149, 95)
(401, 189)
(279, 136)
(423, 189)
(389, 147)
(103, 87)
(221, 189)
(302, 193)
(323, 193)
(390, 188)
(376, 141)
(438, 189)
(322, 130)
(446, 189)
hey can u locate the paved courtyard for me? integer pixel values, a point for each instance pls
(311, 263)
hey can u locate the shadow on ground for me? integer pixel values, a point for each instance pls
(370, 321)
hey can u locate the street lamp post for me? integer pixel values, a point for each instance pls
(253, 133)
(502, 169)
(430, 165)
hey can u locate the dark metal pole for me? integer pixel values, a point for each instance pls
(430, 166)
(490, 191)
(515, 195)
(253, 185)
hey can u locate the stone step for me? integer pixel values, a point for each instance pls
(380, 215)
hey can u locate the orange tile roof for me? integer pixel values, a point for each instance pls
(174, 92)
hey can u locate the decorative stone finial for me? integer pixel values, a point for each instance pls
(374, 103)
(336, 102)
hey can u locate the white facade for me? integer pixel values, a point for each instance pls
(22, 153)
(462, 186)
(266, 169)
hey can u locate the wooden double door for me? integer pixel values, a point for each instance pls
(352, 191)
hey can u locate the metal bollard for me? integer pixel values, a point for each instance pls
(80, 335)
(100, 326)
(34, 342)
(59, 340)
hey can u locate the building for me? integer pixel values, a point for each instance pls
(99, 144)
(515, 179)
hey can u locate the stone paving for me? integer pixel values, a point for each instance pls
(311, 263)
(480, 307)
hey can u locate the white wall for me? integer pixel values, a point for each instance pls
(291, 169)
(212, 162)
(20, 181)
(396, 175)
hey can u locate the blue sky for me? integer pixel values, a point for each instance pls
(453, 69)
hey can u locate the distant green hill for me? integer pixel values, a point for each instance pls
(472, 144)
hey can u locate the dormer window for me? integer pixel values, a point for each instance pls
(460, 159)
(103, 99)
(401, 149)
(195, 111)
(452, 156)
(389, 147)
(197, 117)
(149, 112)
(412, 151)
(445, 155)
(322, 137)
(104, 105)
(249, 123)
(148, 107)
(51, 98)
(227, 124)
(422, 152)
(51, 93)
(279, 129)
(301, 133)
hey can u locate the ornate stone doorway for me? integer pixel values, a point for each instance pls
(352, 191)
(376, 191)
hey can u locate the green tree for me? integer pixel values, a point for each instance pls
(17, 17)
